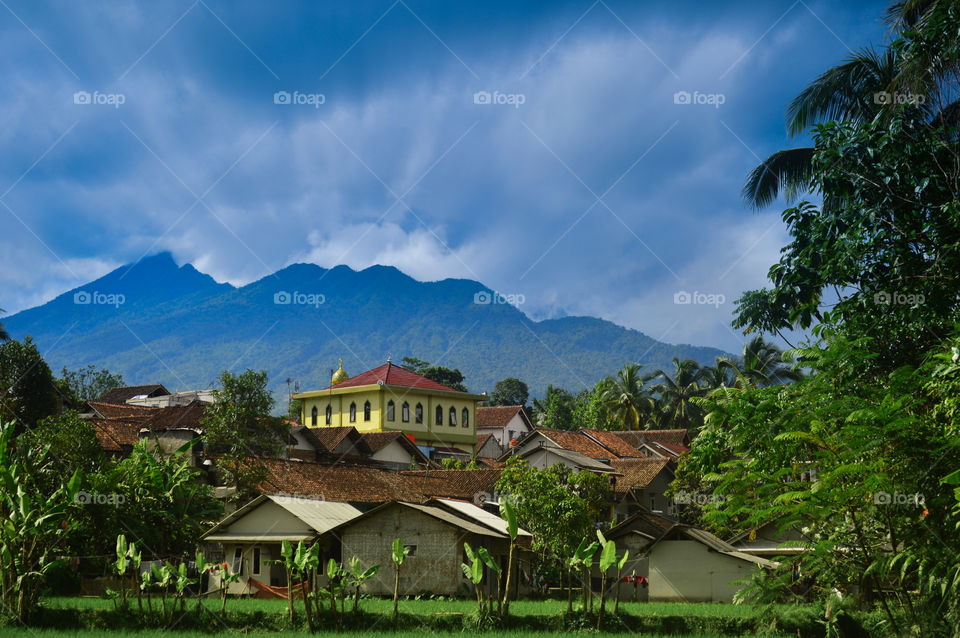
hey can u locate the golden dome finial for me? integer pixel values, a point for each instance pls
(340, 375)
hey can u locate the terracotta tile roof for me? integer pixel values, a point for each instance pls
(177, 416)
(391, 374)
(491, 463)
(461, 484)
(652, 525)
(636, 437)
(376, 441)
(483, 438)
(335, 482)
(121, 394)
(612, 442)
(498, 416)
(637, 472)
(119, 411)
(578, 442)
(117, 435)
(331, 437)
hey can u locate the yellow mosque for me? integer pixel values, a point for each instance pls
(392, 398)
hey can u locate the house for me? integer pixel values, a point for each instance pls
(504, 422)
(569, 440)
(342, 442)
(392, 398)
(434, 534)
(395, 451)
(488, 446)
(768, 540)
(682, 563)
(656, 442)
(544, 456)
(249, 539)
(172, 398)
(122, 394)
(641, 484)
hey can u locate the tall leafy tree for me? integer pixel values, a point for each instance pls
(28, 392)
(87, 384)
(627, 397)
(510, 391)
(676, 390)
(238, 426)
(452, 378)
(555, 410)
(759, 365)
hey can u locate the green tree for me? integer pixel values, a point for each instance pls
(675, 390)
(760, 364)
(555, 411)
(4, 335)
(88, 384)
(28, 392)
(510, 391)
(627, 397)
(441, 374)
(238, 427)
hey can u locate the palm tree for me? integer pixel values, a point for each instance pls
(849, 93)
(759, 365)
(626, 397)
(675, 391)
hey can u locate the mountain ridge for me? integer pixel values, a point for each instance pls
(177, 326)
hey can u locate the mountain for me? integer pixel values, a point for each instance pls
(156, 322)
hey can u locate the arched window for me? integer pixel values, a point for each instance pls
(313, 416)
(439, 416)
(353, 413)
(453, 416)
(390, 414)
(419, 413)
(366, 411)
(405, 412)
(328, 417)
(465, 417)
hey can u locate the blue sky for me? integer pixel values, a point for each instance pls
(582, 186)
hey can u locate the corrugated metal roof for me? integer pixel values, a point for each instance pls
(480, 515)
(322, 516)
(453, 519)
(706, 538)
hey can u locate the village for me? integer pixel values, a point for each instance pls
(367, 464)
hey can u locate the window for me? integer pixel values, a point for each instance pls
(328, 417)
(405, 412)
(256, 560)
(465, 418)
(453, 416)
(353, 413)
(390, 406)
(237, 560)
(438, 420)
(313, 416)
(419, 413)
(366, 411)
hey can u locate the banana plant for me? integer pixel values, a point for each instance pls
(583, 559)
(608, 558)
(474, 573)
(400, 552)
(620, 565)
(496, 569)
(146, 581)
(358, 577)
(136, 558)
(509, 514)
(286, 552)
(226, 579)
(162, 577)
(120, 567)
(181, 581)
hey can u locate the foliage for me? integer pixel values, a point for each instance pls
(510, 391)
(87, 384)
(238, 426)
(29, 393)
(555, 410)
(33, 524)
